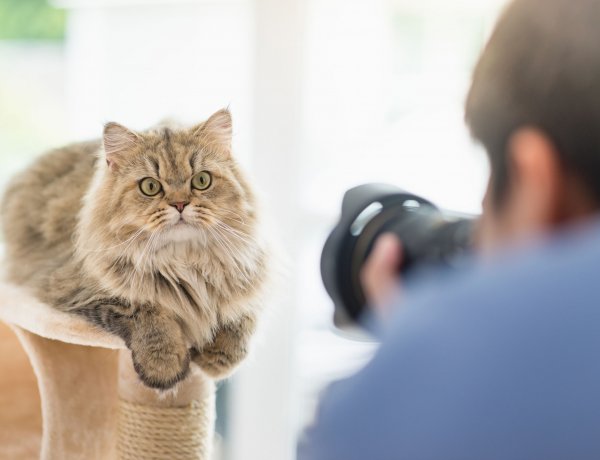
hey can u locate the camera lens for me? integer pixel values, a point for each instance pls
(428, 236)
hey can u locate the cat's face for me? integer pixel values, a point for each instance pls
(175, 184)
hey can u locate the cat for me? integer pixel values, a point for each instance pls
(153, 236)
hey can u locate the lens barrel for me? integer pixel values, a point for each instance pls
(428, 236)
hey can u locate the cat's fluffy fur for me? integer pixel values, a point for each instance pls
(174, 285)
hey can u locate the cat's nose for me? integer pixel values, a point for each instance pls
(179, 205)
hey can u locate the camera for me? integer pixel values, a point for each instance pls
(429, 237)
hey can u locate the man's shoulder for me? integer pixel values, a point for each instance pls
(498, 362)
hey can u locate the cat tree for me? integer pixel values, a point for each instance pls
(68, 391)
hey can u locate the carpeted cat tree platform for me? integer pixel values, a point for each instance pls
(68, 391)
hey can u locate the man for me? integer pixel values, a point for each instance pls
(501, 361)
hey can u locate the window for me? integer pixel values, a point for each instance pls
(32, 82)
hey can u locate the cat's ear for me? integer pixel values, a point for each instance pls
(117, 141)
(218, 129)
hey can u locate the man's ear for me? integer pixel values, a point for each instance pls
(117, 141)
(536, 180)
(218, 129)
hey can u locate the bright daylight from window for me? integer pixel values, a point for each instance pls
(324, 94)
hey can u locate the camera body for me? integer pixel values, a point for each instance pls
(428, 235)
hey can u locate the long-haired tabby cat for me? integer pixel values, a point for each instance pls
(150, 235)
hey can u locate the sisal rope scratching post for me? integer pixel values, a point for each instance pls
(178, 425)
(93, 406)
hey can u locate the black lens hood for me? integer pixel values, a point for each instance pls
(339, 267)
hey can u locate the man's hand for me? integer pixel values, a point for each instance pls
(379, 275)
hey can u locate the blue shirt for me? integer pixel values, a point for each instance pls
(501, 362)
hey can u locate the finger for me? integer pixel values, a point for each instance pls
(379, 275)
(387, 253)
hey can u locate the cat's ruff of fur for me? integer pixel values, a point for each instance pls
(83, 237)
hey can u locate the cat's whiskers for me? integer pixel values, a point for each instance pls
(239, 219)
(134, 276)
(140, 267)
(220, 237)
(124, 254)
(243, 237)
(232, 238)
(144, 228)
(152, 251)
(213, 214)
(222, 241)
(217, 239)
(129, 240)
(158, 215)
(205, 216)
(141, 262)
(215, 224)
(227, 252)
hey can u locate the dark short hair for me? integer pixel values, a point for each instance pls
(541, 68)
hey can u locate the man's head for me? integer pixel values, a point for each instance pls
(535, 105)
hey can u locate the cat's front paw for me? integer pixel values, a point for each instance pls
(161, 365)
(215, 365)
(228, 348)
(218, 362)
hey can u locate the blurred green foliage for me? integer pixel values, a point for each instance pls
(31, 20)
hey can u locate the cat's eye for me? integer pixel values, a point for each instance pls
(150, 186)
(202, 180)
